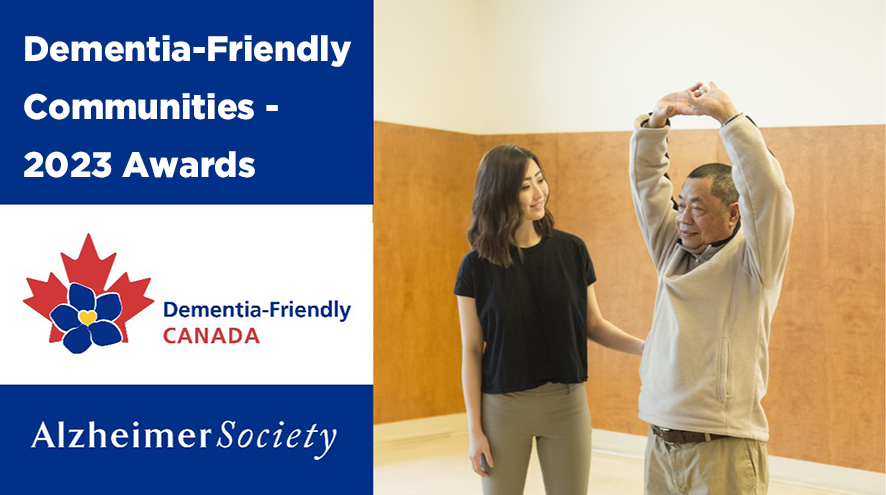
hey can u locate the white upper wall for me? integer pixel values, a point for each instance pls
(528, 66)
(427, 63)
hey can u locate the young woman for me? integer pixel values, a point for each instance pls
(525, 290)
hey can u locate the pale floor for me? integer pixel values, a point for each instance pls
(440, 466)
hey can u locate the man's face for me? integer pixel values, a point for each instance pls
(701, 217)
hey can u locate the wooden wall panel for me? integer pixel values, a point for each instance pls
(424, 180)
(826, 395)
(827, 342)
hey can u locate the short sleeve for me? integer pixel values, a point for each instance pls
(590, 276)
(464, 281)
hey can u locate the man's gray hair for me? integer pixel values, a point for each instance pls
(722, 185)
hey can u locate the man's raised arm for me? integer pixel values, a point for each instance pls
(651, 189)
(765, 203)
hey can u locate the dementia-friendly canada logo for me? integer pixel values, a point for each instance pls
(84, 312)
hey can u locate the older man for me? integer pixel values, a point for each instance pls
(720, 251)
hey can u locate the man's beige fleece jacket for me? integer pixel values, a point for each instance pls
(706, 363)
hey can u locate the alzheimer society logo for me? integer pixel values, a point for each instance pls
(84, 312)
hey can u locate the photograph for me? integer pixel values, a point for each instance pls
(629, 247)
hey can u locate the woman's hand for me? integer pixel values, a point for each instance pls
(480, 446)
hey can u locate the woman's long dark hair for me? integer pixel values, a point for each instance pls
(496, 214)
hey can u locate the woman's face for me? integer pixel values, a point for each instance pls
(533, 193)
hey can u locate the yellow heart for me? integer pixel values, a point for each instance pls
(87, 317)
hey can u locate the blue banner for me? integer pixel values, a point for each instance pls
(202, 129)
(186, 439)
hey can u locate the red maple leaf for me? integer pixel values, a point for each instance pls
(89, 270)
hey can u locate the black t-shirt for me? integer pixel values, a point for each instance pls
(533, 314)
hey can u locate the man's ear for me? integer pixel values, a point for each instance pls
(734, 215)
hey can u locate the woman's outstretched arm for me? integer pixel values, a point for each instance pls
(606, 334)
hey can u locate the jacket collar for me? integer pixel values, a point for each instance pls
(713, 247)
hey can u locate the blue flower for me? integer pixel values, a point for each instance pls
(86, 319)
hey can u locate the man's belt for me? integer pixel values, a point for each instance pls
(679, 436)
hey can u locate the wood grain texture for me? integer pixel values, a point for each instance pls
(424, 180)
(826, 389)
(827, 342)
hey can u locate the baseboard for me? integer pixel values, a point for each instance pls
(412, 430)
(781, 469)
